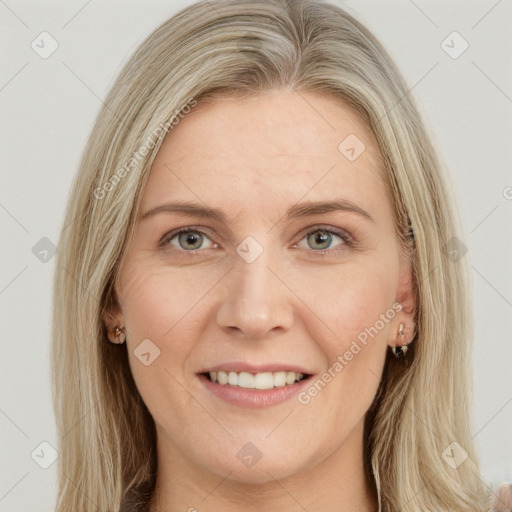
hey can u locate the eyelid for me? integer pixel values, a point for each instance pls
(326, 227)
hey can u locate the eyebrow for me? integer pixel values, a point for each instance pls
(300, 210)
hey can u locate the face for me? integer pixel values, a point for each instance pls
(265, 253)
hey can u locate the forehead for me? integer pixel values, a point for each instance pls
(264, 151)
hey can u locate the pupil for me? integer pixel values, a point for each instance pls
(322, 237)
(190, 238)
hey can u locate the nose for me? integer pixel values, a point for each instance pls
(257, 302)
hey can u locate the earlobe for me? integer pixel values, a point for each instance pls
(406, 297)
(114, 322)
(117, 336)
(401, 340)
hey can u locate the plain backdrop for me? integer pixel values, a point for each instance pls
(48, 107)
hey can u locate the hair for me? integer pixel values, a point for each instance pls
(243, 48)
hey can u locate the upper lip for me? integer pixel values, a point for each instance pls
(238, 367)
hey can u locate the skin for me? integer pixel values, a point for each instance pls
(254, 159)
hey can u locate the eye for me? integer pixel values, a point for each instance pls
(187, 239)
(321, 239)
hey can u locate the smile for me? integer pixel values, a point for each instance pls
(264, 380)
(253, 389)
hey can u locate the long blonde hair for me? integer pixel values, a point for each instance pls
(107, 440)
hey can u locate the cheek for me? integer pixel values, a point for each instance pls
(156, 308)
(357, 306)
(351, 301)
(156, 300)
(166, 307)
(146, 302)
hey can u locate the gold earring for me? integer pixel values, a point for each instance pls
(119, 335)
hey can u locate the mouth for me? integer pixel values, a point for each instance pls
(254, 389)
(262, 380)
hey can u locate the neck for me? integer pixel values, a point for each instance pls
(336, 484)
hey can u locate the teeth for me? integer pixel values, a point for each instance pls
(290, 377)
(265, 380)
(280, 379)
(246, 380)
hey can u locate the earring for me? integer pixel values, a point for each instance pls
(119, 335)
(399, 351)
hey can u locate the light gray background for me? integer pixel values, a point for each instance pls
(48, 108)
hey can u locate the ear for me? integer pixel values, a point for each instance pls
(406, 297)
(112, 316)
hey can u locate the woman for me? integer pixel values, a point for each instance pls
(254, 309)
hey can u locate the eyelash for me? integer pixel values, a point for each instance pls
(347, 239)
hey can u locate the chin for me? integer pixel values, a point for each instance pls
(256, 463)
(263, 472)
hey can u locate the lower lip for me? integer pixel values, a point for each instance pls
(253, 398)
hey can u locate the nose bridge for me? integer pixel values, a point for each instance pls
(255, 302)
(253, 280)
